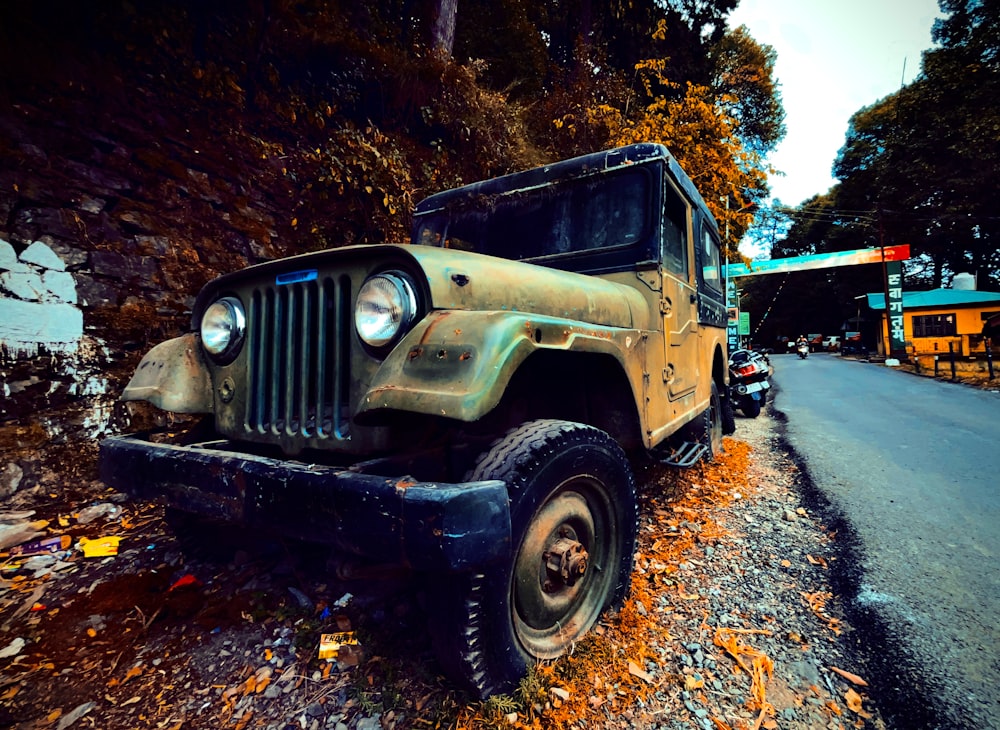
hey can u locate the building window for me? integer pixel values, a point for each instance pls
(934, 325)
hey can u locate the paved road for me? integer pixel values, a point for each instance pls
(913, 467)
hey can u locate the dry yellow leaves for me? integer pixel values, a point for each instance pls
(636, 671)
(854, 703)
(849, 676)
(818, 561)
(132, 673)
(690, 683)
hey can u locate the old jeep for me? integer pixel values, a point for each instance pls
(465, 405)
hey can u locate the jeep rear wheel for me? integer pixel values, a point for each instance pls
(708, 427)
(573, 528)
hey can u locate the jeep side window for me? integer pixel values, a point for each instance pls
(675, 258)
(596, 212)
(710, 260)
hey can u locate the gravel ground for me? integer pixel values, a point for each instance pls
(756, 598)
(732, 623)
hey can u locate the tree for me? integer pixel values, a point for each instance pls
(704, 141)
(926, 158)
(743, 82)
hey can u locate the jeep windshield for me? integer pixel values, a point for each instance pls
(597, 212)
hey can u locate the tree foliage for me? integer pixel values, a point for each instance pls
(366, 107)
(924, 160)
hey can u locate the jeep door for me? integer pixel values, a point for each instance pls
(679, 303)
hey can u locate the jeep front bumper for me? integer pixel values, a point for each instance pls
(422, 525)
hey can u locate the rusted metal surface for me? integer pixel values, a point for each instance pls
(421, 525)
(173, 376)
(458, 363)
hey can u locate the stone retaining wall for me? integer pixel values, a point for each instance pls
(111, 219)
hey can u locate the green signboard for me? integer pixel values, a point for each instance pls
(894, 306)
(744, 323)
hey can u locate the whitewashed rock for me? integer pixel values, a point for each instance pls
(8, 256)
(25, 325)
(41, 255)
(60, 285)
(26, 285)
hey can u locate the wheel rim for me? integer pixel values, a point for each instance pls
(564, 567)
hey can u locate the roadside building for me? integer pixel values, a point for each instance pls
(941, 321)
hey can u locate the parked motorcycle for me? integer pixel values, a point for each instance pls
(748, 379)
(803, 350)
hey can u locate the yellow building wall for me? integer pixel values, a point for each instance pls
(968, 328)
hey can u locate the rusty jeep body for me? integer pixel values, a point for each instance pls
(466, 404)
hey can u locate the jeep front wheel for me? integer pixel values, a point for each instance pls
(573, 528)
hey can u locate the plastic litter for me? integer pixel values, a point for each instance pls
(100, 547)
(342, 645)
(40, 547)
(96, 511)
(13, 648)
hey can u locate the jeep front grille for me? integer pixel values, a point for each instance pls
(298, 340)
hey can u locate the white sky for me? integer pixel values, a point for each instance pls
(834, 57)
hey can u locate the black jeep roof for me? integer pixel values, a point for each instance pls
(582, 166)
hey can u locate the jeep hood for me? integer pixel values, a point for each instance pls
(464, 280)
(469, 281)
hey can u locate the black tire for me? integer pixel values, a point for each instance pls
(573, 527)
(728, 417)
(707, 428)
(750, 407)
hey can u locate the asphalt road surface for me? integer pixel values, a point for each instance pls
(911, 468)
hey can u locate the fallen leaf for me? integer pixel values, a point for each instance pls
(635, 671)
(131, 700)
(133, 672)
(850, 676)
(690, 683)
(854, 702)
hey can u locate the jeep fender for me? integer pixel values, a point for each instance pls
(173, 376)
(457, 364)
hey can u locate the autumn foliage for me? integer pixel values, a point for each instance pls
(353, 117)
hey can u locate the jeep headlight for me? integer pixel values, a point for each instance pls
(223, 327)
(385, 308)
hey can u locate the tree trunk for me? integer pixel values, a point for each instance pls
(443, 26)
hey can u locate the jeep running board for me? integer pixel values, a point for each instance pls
(687, 454)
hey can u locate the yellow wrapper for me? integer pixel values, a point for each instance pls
(331, 644)
(100, 547)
